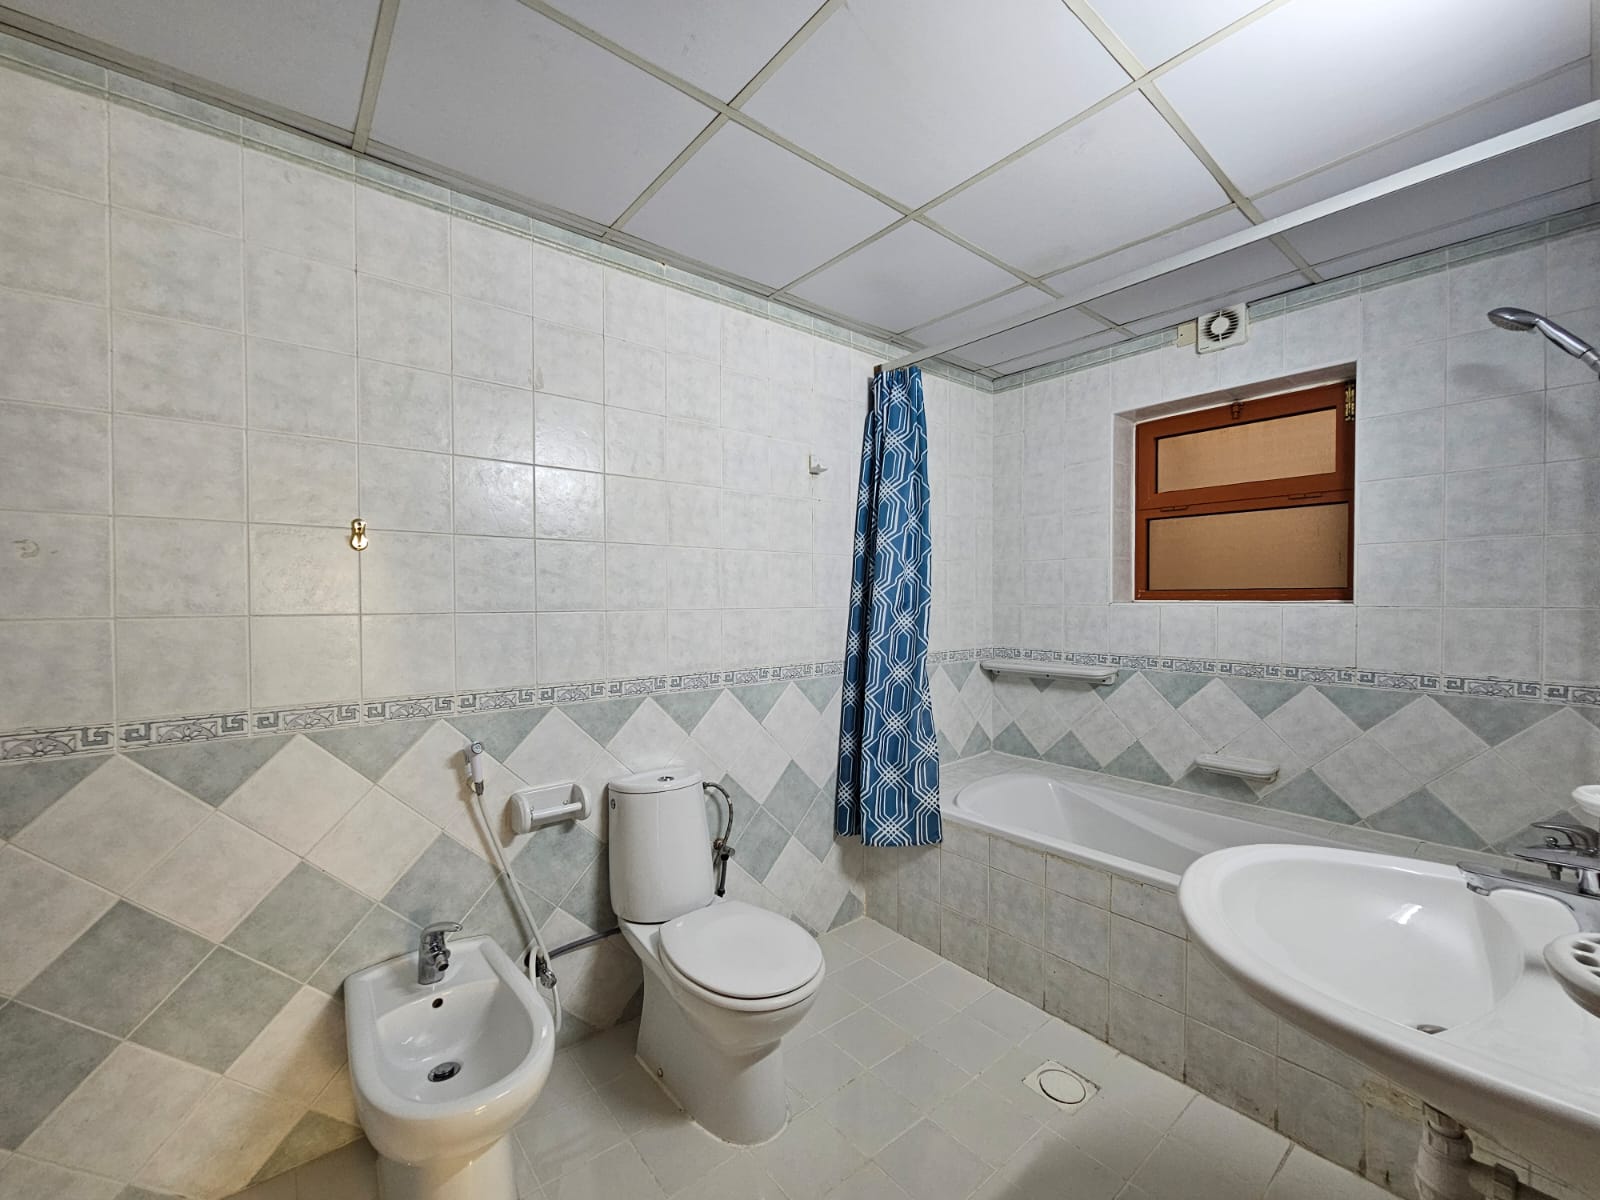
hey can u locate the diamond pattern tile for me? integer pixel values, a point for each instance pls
(216, 1012)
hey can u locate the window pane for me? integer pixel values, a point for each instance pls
(1280, 448)
(1304, 547)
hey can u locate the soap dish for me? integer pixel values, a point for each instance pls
(1575, 962)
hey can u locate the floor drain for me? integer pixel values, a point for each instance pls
(445, 1070)
(1060, 1085)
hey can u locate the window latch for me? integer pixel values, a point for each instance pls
(1176, 508)
(1303, 495)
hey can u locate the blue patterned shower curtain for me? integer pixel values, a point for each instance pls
(888, 751)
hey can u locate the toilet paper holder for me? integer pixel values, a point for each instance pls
(534, 808)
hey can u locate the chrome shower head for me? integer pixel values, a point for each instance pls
(1521, 319)
(1514, 318)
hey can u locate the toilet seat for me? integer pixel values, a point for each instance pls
(742, 957)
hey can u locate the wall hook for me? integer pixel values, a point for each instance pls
(358, 534)
(814, 464)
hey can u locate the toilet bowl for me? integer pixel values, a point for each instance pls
(724, 981)
(441, 1072)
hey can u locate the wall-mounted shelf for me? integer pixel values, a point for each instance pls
(1048, 670)
(1254, 769)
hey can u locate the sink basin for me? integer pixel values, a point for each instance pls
(442, 1071)
(1395, 962)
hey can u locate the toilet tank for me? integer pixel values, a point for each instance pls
(660, 845)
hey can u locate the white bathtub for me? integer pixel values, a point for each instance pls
(1146, 839)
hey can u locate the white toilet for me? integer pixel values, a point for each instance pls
(723, 980)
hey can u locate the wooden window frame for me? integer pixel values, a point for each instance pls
(1334, 487)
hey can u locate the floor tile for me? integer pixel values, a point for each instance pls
(636, 1102)
(680, 1153)
(817, 1067)
(24, 1179)
(559, 1135)
(929, 1165)
(810, 1158)
(967, 1042)
(925, 1078)
(867, 935)
(1304, 1176)
(906, 958)
(617, 1174)
(1006, 1014)
(867, 979)
(913, 1009)
(867, 1037)
(985, 1122)
(954, 985)
(869, 1183)
(740, 1178)
(869, 1114)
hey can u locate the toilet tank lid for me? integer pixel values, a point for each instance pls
(661, 779)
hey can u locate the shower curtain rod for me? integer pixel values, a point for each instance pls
(1445, 164)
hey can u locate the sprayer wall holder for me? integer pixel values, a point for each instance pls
(534, 808)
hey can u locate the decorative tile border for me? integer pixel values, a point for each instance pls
(1584, 694)
(97, 739)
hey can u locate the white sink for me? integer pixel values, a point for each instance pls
(1363, 949)
(442, 1071)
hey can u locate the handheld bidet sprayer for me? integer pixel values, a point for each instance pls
(475, 766)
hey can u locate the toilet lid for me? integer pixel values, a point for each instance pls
(736, 949)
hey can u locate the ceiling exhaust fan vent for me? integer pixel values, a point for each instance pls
(1223, 328)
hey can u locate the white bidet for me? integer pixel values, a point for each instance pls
(442, 1071)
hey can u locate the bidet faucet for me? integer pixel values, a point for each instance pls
(433, 955)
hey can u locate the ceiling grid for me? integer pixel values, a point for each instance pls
(997, 157)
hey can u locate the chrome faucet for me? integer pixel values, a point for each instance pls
(433, 955)
(1579, 853)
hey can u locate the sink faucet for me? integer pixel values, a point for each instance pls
(433, 955)
(1578, 853)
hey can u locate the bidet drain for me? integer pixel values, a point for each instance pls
(1427, 1028)
(445, 1070)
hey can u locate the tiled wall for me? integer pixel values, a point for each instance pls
(1465, 771)
(218, 353)
(232, 743)
(1111, 956)
(1454, 700)
(178, 920)
(1477, 455)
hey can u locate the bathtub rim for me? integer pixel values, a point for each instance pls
(956, 775)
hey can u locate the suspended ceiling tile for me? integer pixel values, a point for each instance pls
(1081, 281)
(1155, 30)
(305, 55)
(1228, 276)
(912, 97)
(1238, 295)
(747, 206)
(1534, 171)
(493, 90)
(1543, 99)
(712, 44)
(1043, 334)
(981, 316)
(1316, 80)
(1119, 176)
(904, 279)
(1106, 337)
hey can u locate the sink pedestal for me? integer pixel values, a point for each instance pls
(490, 1175)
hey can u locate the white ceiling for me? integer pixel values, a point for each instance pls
(921, 170)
